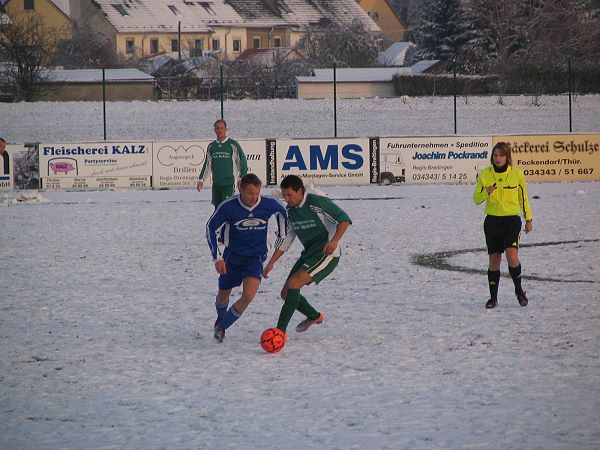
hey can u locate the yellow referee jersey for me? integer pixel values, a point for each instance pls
(509, 199)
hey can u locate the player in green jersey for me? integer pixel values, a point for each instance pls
(225, 161)
(503, 188)
(319, 224)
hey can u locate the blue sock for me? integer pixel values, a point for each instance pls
(231, 316)
(221, 310)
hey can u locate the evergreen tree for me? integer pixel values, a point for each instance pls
(439, 33)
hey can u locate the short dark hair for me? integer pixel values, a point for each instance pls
(2, 140)
(292, 181)
(250, 178)
(220, 121)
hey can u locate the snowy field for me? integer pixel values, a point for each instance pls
(249, 119)
(107, 308)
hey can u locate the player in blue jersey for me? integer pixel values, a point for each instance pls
(237, 237)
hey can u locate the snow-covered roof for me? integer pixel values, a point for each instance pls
(201, 16)
(95, 75)
(301, 13)
(165, 15)
(394, 55)
(423, 65)
(63, 5)
(369, 74)
(365, 74)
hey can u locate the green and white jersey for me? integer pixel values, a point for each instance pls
(226, 161)
(314, 222)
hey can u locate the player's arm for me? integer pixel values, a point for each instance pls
(280, 250)
(243, 160)
(525, 206)
(204, 171)
(215, 224)
(335, 240)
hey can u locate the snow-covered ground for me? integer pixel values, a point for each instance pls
(249, 119)
(107, 305)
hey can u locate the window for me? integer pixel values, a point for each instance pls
(374, 15)
(276, 42)
(174, 45)
(119, 8)
(207, 6)
(129, 46)
(256, 42)
(28, 5)
(237, 45)
(199, 44)
(216, 44)
(153, 46)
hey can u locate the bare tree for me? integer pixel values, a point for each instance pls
(87, 49)
(350, 45)
(27, 46)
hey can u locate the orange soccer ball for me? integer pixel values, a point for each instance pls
(272, 340)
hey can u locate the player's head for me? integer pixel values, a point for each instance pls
(2, 145)
(249, 187)
(292, 189)
(221, 129)
(501, 155)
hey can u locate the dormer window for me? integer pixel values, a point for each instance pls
(120, 8)
(207, 6)
(173, 9)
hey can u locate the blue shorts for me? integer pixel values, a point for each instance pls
(240, 267)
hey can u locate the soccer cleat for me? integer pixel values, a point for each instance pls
(491, 303)
(219, 333)
(522, 298)
(306, 323)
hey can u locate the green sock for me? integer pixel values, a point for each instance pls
(307, 309)
(288, 308)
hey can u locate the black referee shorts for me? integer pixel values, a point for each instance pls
(501, 233)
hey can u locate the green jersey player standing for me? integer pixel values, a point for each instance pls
(225, 161)
(319, 224)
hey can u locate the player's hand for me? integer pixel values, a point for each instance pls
(491, 189)
(199, 185)
(330, 247)
(528, 226)
(220, 266)
(266, 270)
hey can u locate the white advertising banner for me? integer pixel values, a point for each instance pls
(7, 159)
(178, 164)
(447, 159)
(323, 161)
(104, 165)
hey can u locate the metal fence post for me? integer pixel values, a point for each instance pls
(104, 100)
(570, 93)
(334, 101)
(222, 93)
(454, 89)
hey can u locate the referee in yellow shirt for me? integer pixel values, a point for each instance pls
(503, 188)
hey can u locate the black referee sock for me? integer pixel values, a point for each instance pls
(493, 281)
(515, 273)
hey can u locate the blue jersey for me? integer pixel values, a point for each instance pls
(243, 229)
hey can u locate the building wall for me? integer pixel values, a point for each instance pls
(52, 17)
(93, 91)
(392, 27)
(267, 37)
(314, 90)
(142, 42)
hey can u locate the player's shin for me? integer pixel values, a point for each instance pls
(288, 308)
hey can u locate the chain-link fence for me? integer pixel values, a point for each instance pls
(331, 103)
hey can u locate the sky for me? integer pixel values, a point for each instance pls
(107, 309)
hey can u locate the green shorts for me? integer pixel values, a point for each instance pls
(220, 193)
(317, 266)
